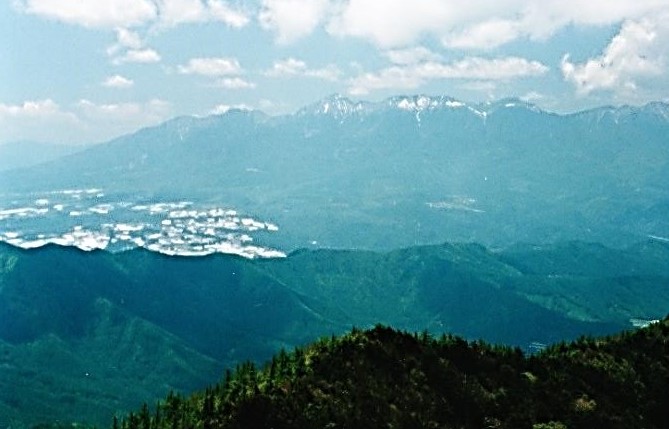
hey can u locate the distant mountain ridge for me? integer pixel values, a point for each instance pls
(404, 171)
(23, 154)
(338, 104)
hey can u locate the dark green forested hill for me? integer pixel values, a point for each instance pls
(384, 378)
(85, 335)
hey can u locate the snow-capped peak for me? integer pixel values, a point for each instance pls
(335, 105)
(658, 108)
(339, 107)
(419, 103)
(508, 103)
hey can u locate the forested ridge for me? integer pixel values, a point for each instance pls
(86, 335)
(386, 378)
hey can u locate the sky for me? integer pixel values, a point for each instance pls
(86, 71)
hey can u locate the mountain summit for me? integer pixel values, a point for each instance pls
(339, 106)
(335, 105)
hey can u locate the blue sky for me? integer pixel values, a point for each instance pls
(89, 70)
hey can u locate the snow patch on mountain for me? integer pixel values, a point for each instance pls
(336, 106)
(340, 107)
(420, 103)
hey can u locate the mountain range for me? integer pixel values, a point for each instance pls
(85, 335)
(408, 170)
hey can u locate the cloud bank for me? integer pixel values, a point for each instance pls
(636, 56)
(478, 24)
(83, 122)
(412, 76)
(132, 13)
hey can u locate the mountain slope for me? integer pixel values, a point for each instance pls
(408, 170)
(142, 323)
(139, 324)
(119, 363)
(385, 378)
(463, 289)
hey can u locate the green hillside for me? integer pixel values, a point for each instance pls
(122, 361)
(385, 378)
(141, 324)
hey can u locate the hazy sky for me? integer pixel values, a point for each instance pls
(75, 71)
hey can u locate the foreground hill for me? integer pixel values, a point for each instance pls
(405, 171)
(385, 378)
(86, 335)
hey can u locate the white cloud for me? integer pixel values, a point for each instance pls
(37, 120)
(131, 13)
(476, 24)
(484, 35)
(638, 53)
(103, 121)
(129, 48)
(221, 11)
(478, 68)
(33, 109)
(392, 23)
(144, 56)
(224, 108)
(274, 107)
(128, 39)
(540, 19)
(486, 86)
(291, 67)
(390, 78)
(94, 13)
(211, 67)
(176, 12)
(411, 55)
(473, 68)
(287, 67)
(235, 83)
(83, 122)
(151, 111)
(118, 81)
(292, 19)
(225, 72)
(330, 72)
